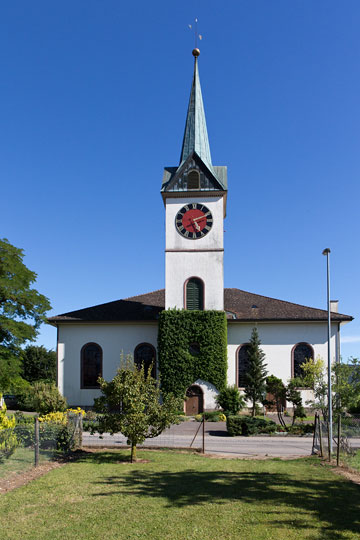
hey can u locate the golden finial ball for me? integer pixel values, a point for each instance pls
(196, 52)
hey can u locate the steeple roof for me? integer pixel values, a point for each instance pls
(196, 136)
(195, 151)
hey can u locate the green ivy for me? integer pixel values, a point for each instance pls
(179, 368)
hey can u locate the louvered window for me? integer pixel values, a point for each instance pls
(194, 294)
(193, 180)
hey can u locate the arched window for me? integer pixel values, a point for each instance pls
(193, 180)
(145, 355)
(301, 353)
(91, 365)
(194, 294)
(242, 364)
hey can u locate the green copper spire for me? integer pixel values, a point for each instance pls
(196, 136)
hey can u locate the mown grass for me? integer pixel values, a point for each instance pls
(353, 461)
(181, 496)
(22, 460)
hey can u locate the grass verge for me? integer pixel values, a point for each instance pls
(182, 496)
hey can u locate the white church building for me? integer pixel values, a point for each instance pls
(91, 340)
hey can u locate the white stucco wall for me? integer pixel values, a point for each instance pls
(277, 342)
(184, 260)
(114, 339)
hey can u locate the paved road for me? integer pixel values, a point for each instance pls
(216, 441)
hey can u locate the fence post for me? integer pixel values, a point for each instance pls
(314, 436)
(338, 441)
(37, 441)
(320, 434)
(80, 429)
(203, 436)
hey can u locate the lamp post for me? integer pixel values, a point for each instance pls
(326, 252)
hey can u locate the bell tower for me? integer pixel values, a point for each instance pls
(194, 195)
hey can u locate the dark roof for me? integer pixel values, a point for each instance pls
(239, 305)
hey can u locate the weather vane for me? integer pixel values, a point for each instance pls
(196, 34)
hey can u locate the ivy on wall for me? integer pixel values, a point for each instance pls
(192, 345)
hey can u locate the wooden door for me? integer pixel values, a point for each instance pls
(194, 403)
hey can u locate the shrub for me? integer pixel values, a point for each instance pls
(230, 400)
(247, 425)
(45, 398)
(8, 441)
(211, 416)
(25, 434)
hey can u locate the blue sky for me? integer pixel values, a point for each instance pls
(93, 101)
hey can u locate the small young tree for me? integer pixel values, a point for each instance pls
(255, 377)
(131, 405)
(277, 389)
(230, 400)
(293, 396)
(314, 377)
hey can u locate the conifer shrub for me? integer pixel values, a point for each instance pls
(248, 425)
(230, 400)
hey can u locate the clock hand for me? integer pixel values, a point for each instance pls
(196, 225)
(200, 217)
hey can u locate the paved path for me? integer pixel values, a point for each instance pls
(217, 441)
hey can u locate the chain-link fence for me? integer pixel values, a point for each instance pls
(345, 440)
(188, 434)
(31, 442)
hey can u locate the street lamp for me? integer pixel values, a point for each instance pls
(326, 252)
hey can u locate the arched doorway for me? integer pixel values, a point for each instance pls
(194, 403)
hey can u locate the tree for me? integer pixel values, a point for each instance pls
(131, 405)
(22, 310)
(38, 363)
(255, 377)
(345, 380)
(277, 389)
(314, 377)
(282, 394)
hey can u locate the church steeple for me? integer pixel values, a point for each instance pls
(195, 151)
(196, 136)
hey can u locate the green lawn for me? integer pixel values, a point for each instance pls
(353, 461)
(180, 496)
(22, 460)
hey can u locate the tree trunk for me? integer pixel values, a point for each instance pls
(253, 408)
(133, 453)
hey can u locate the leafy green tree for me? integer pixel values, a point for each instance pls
(131, 404)
(255, 377)
(230, 400)
(314, 377)
(22, 310)
(38, 363)
(346, 385)
(345, 380)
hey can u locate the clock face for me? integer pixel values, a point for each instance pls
(194, 221)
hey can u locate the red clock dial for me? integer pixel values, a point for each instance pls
(194, 221)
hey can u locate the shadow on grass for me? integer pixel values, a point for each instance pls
(332, 503)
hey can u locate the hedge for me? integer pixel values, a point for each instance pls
(180, 365)
(248, 425)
